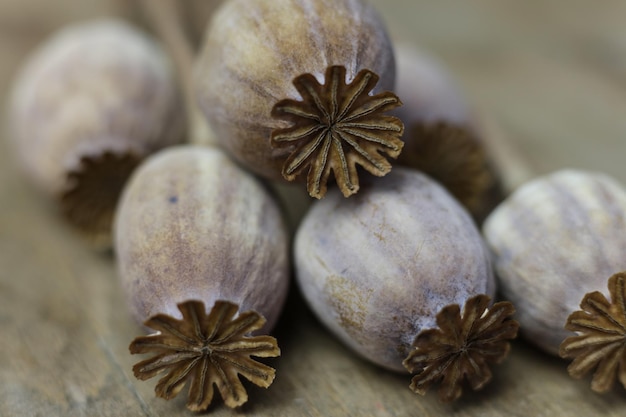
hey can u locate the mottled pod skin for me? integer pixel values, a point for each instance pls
(254, 49)
(378, 267)
(101, 91)
(191, 225)
(555, 239)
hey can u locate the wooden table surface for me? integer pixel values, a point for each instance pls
(551, 74)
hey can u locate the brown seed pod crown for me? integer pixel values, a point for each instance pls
(601, 339)
(205, 350)
(462, 347)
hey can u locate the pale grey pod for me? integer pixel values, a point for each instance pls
(89, 103)
(254, 49)
(555, 239)
(378, 267)
(191, 225)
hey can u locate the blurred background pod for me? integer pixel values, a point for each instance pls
(377, 268)
(253, 51)
(444, 136)
(88, 105)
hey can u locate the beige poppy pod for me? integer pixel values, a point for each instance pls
(553, 240)
(92, 101)
(443, 137)
(203, 256)
(298, 88)
(377, 268)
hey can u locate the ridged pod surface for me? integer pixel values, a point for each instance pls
(378, 267)
(89, 103)
(191, 225)
(555, 239)
(253, 51)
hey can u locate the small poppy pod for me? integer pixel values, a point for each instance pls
(377, 268)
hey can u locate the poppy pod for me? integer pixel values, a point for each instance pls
(299, 88)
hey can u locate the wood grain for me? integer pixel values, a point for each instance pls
(550, 75)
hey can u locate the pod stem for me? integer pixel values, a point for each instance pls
(166, 16)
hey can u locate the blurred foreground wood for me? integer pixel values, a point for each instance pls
(551, 76)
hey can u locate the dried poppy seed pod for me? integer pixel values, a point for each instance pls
(296, 87)
(88, 105)
(191, 225)
(553, 240)
(383, 269)
(378, 267)
(442, 136)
